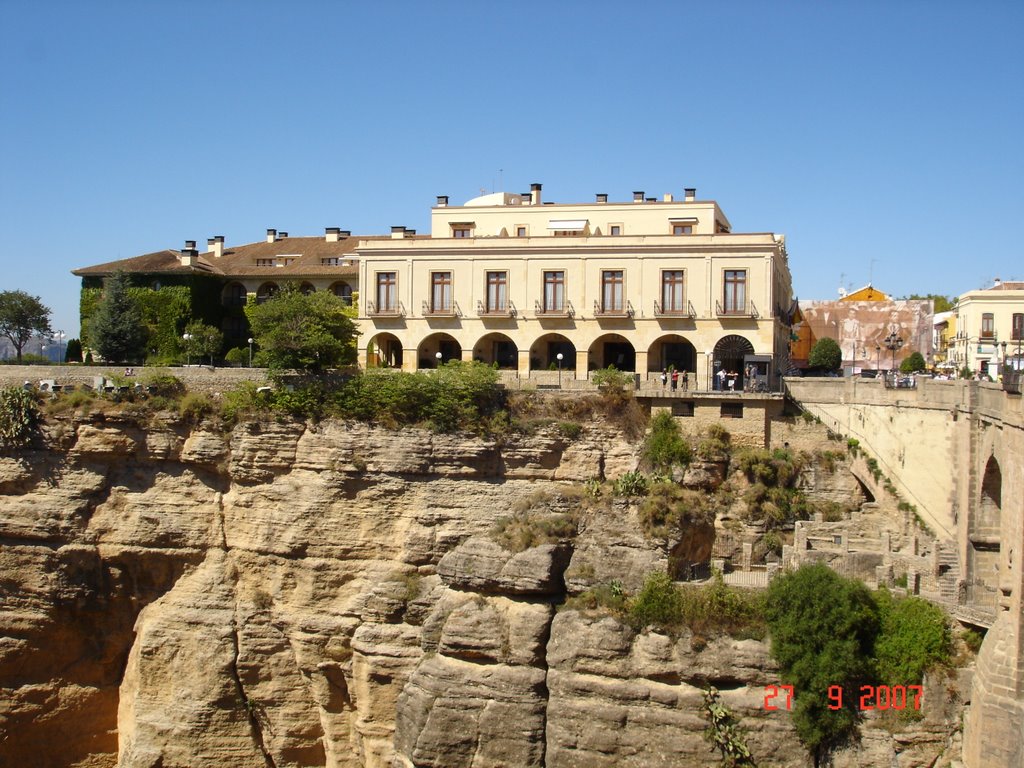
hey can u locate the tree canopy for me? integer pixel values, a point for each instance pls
(940, 303)
(913, 362)
(116, 329)
(823, 629)
(21, 316)
(304, 331)
(825, 355)
(203, 340)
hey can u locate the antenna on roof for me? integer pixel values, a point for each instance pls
(842, 287)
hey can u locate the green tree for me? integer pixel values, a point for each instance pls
(825, 355)
(22, 316)
(237, 356)
(73, 351)
(203, 340)
(724, 732)
(296, 330)
(823, 628)
(914, 637)
(912, 363)
(116, 330)
(665, 447)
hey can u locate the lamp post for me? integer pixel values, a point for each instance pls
(250, 351)
(893, 342)
(878, 357)
(437, 355)
(60, 346)
(559, 357)
(1003, 345)
(188, 349)
(711, 381)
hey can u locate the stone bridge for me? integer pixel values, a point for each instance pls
(956, 451)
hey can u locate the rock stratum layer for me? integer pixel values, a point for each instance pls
(332, 595)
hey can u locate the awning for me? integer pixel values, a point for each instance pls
(570, 225)
(683, 220)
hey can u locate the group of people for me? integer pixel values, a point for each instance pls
(675, 377)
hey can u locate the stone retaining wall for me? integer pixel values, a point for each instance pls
(199, 378)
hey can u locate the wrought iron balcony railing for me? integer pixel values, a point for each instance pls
(689, 311)
(620, 311)
(745, 310)
(394, 309)
(564, 310)
(509, 310)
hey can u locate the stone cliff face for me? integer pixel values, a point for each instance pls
(332, 595)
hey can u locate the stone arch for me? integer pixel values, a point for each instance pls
(307, 288)
(728, 356)
(612, 349)
(991, 505)
(384, 351)
(545, 350)
(342, 290)
(443, 343)
(672, 350)
(266, 291)
(234, 295)
(497, 348)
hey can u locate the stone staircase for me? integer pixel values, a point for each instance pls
(948, 575)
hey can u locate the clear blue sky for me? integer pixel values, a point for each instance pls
(885, 131)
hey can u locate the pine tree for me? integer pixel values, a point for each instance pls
(116, 329)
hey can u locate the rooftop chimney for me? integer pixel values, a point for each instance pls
(189, 253)
(527, 198)
(602, 197)
(345, 233)
(652, 199)
(271, 235)
(442, 201)
(638, 197)
(397, 233)
(410, 232)
(331, 234)
(535, 194)
(215, 245)
(668, 197)
(282, 235)
(690, 194)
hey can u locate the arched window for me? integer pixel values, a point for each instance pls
(342, 290)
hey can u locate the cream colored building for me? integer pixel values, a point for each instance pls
(530, 285)
(990, 328)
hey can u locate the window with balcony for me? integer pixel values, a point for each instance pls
(497, 292)
(988, 326)
(387, 292)
(554, 291)
(1017, 326)
(672, 291)
(612, 301)
(441, 293)
(735, 298)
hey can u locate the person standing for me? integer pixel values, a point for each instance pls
(664, 378)
(686, 381)
(721, 379)
(675, 379)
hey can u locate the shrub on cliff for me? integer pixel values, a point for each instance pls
(914, 637)
(19, 417)
(665, 448)
(823, 629)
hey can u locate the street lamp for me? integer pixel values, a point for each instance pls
(188, 349)
(60, 346)
(878, 357)
(893, 342)
(438, 356)
(559, 358)
(250, 351)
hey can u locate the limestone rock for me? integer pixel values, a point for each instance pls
(481, 565)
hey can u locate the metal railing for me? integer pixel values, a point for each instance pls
(390, 310)
(747, 310)
(601, 311)
(688, 312)
(507, 311)
(449, 310)
(566, 310)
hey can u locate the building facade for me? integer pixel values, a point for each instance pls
(989, 328)
(645, 286)
(221, 280)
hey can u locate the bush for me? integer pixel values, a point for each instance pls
(669, 510)
(912, 363)
(716, 444)
(825, 355)
(570, 429)
(529, 529)
(196, 406)
(237, 356)
(658, 603)
(631, 484)
(665, 448)
(823, 629)
(165, 385)
(913, 638)
(19, 417)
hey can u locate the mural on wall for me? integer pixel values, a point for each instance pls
(862, 328)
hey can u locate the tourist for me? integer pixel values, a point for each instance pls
(664, 378)
(686, 381)
(721, 379)
(675, 379)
